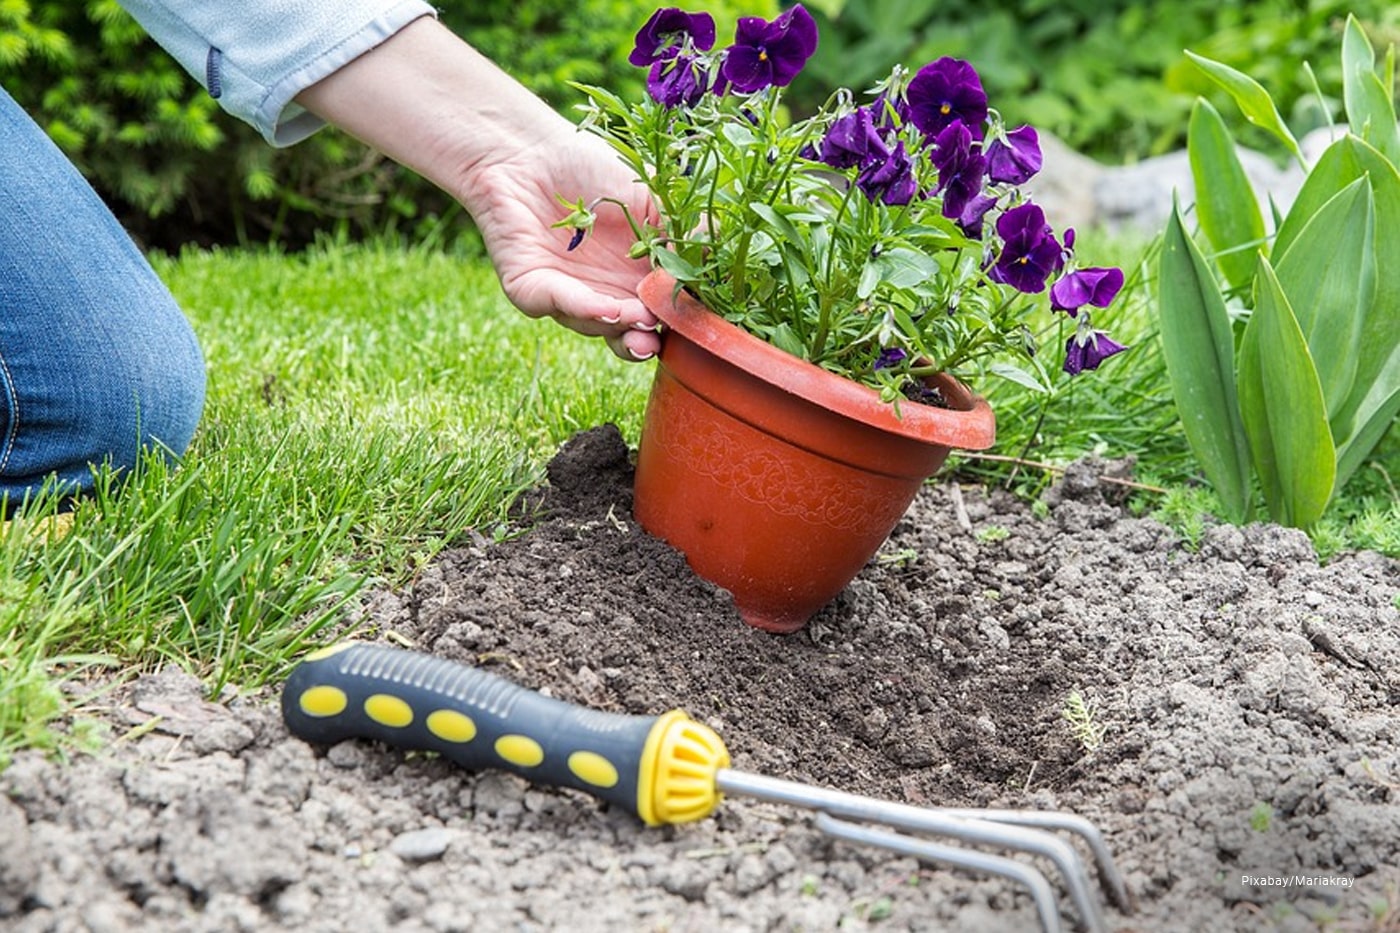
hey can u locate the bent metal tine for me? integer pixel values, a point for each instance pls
(975, 829)
(1109, 875)
(1041, 891)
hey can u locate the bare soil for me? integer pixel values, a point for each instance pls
(1248, 776)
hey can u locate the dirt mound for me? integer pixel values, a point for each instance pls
(1248, 775)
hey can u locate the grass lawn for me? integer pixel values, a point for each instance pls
(370, 405)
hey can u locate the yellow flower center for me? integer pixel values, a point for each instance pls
(945, 109)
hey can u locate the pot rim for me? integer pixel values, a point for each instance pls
(969, 423)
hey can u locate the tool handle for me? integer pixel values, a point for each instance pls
(660, 768)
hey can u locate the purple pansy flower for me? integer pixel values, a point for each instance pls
(767, 53)
(890, 357)
(576, 239)
(973, 214)
(1097, 287)
(944, 91)
(664, 34)
(887, 109)
(1014, 158)
(1029, 253)
(1089, 352)
(960, 169)
(853, 140)
(891, 179)
(676, 82)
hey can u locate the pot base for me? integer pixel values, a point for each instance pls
(777, 480)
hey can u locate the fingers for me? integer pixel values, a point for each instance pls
(625, 323)
(636, 346)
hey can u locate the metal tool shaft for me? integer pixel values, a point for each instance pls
(970, 826)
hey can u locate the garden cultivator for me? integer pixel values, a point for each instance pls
(664, 769)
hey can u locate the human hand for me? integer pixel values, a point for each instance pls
(592, 288)
(508, 157)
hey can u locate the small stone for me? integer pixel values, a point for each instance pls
(422, 845)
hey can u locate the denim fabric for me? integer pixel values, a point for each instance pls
(96, 359)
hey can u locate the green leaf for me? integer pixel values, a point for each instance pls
(1249, 380)
(1329, 276)
(1225, 202)
(905, 268)
(1293, 446)
(1198, 346)
(679, 268)
(1254, 102)
(1018, 375)
(1370, 108)
(869, 279)
(775, 220)
(1370, 408)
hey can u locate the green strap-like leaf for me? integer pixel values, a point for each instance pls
(1369, 409)
(1198, 346)
(1295, 445)
(1370, 107)
(1254, 102)
(1225, 201)
(1329, 276)
(1249, 376)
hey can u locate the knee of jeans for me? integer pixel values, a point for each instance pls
(108, 410)
(151, 405)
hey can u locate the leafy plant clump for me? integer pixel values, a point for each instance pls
(884, 238)
(1284, 350)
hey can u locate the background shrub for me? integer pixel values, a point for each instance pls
(1106, 76)
(178, 170)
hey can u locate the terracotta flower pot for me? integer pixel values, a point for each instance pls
(777, 479)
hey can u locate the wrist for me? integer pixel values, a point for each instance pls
(433, 103)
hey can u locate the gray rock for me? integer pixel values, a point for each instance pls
(422, 845)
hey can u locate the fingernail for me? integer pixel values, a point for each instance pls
(639, 325)
(610, 320)
(639, 357)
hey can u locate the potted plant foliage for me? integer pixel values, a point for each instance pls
(830, 285)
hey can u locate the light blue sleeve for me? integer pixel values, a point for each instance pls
(254, 56)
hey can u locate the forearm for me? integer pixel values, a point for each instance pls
(431, 102)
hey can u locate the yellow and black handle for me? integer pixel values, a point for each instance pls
(661, 768)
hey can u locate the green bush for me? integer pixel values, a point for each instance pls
(1106, 76)
(177, 169)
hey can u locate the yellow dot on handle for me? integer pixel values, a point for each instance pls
(520, 750)
(388, 710)
(451, 726)
(592, 768)
(323, 701)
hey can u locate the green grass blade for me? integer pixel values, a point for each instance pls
(1369, 105)
(1198, 346)
(1294, 442)
(1225, 202)
(1329, 276)
(1254, 102)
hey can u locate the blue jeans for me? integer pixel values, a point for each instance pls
(97, 362)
